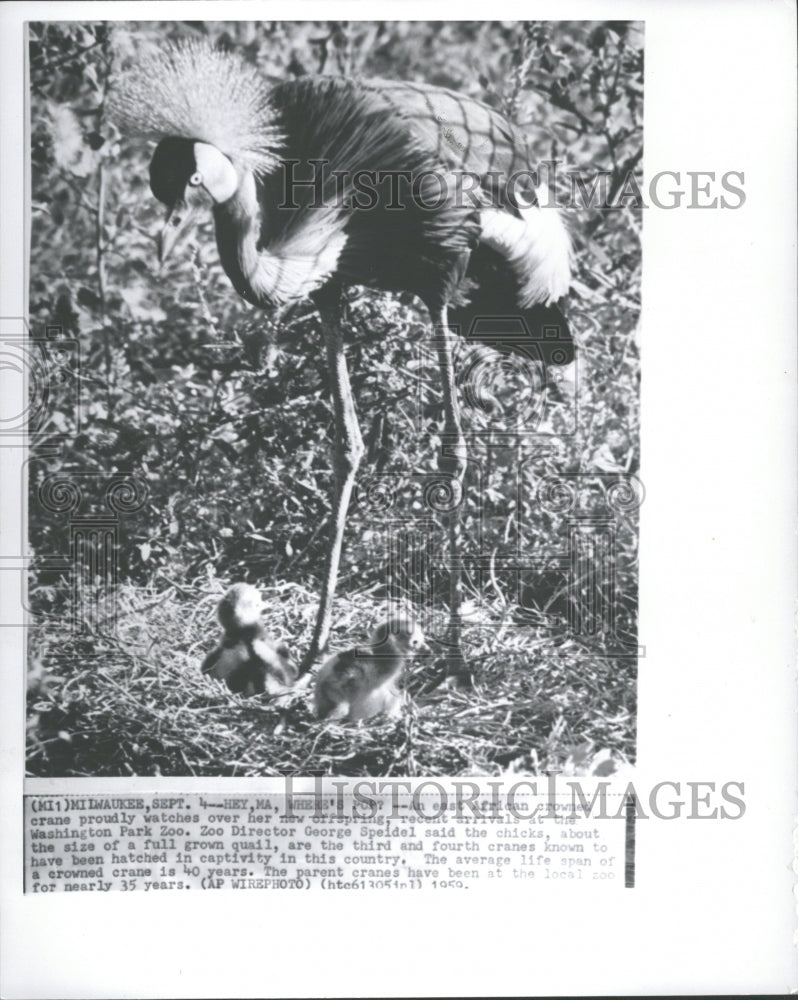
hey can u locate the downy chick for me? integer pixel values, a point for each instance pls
(362, 682)
(246, 659)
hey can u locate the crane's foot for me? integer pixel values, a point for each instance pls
(302, 682)
(451, 668)
(458, 673)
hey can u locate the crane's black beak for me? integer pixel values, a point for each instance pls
(179, 220)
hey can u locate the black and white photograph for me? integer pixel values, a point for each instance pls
(397, 498)
(340, 475)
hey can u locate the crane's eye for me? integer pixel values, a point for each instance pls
(195, 179)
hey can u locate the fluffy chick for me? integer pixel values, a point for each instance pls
(246, 659)
(362, 682)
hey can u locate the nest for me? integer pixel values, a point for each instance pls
(132, 701)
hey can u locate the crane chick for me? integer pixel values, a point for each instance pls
(246, 659)
(362, 682)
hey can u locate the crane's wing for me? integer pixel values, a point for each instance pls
(331, 701)
(348, 158)
(464, 134)
(382, 125)
(406, 146)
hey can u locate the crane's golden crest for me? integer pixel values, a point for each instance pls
(193, 91)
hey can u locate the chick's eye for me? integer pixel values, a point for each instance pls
(195, 179)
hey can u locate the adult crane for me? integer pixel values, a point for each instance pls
(322, 182)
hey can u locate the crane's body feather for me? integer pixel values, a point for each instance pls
(535, 247)
(250, 666)
(323, 163)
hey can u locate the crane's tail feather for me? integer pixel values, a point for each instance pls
(540, 333)
(517, 282)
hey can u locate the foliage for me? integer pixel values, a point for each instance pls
(223, 411)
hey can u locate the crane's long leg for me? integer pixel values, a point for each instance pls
(453, 463)
(347, 453)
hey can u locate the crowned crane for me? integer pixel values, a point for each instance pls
(246, 659)
(321, 183)
(362, 682)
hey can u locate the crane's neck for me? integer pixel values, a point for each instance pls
(270, 265)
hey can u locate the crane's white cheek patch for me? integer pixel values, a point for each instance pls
(537, 248)
(218, 174)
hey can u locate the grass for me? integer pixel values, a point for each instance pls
(132, 701)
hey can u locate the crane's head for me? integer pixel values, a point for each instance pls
(187, 176)
(210, 112)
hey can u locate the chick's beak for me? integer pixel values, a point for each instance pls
(420, 645)
(179, 220)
